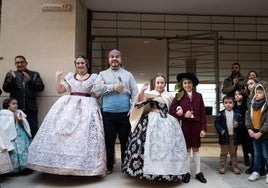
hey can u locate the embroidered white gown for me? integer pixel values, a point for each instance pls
(70, 141)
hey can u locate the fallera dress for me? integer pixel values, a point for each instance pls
(70, 140)
(19, 135)
(156, 148)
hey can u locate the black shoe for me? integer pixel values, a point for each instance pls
(249, 170)
(246, 160)
(262, 172)
(200, 177)
(186, 177)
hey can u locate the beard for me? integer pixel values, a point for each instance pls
(235, 73)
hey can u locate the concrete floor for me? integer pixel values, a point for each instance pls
(209, 166)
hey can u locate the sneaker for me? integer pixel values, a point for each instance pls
(266, 178)
(254, 176)
(109, 171)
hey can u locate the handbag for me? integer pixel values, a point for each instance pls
(5, 163)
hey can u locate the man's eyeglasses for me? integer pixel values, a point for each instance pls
(19, 62)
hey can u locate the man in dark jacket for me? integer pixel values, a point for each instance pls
(23, 85)
(236, 81)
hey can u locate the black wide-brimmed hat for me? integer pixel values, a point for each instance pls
(188, 75)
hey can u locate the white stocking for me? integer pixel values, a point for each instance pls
(196, 156)
(188, 162)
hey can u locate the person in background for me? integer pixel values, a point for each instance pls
(156, 148)
(188, 107)
(227, 124)
(118, 89)
(14, 125)
(257, 124)
(70, 140)
(242, 133)
(234, 82)
(23, 85)
(251, 74)
(251, 83)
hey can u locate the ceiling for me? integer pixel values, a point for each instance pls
(203, 7)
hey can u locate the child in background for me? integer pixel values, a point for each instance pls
(227, 123)
(257, 124)
(16, 128)
(246, 142)
(251, 83)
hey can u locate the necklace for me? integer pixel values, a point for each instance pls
(81, 76)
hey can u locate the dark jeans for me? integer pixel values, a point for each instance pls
(115, 123)
(260, 150)
(32, 118)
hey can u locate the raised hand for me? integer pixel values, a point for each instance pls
(59, 72)
(12, 73)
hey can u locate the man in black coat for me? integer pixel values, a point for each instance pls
(23, 85)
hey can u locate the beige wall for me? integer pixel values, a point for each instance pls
(48, 39)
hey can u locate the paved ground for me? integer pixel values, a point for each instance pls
(233, 180)
(118, 180)
(209, 166)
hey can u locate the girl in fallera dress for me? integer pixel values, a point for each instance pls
(70, 140)
(16, 129)
(156, 149)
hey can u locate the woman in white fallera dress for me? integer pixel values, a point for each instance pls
(156, 149)
(70, 140)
